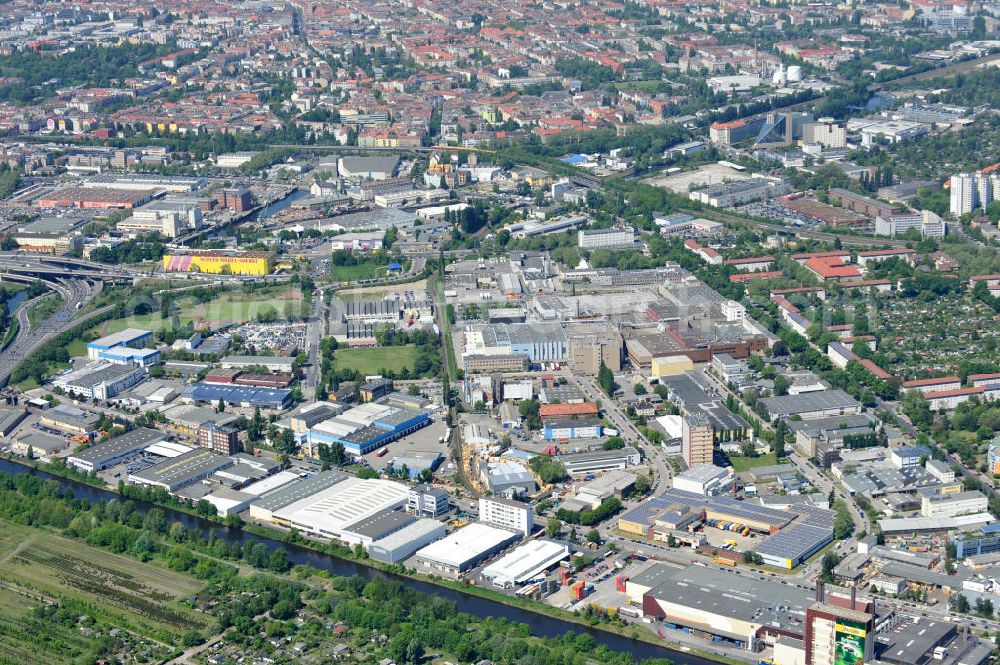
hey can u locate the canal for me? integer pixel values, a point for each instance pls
(541, 625)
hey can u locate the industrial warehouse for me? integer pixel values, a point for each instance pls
(331, 512)
(221, 263)
(365, 427)
(792, 536)
(464, 548)
(720, 606)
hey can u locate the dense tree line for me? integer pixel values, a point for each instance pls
(10, 178)
(137, 250)
(607, 508)
(41, 73)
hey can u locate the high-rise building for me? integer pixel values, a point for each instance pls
(826, 133)
(984, 190)
(839, 630)
(963, 193)
(972, 191)
(696, 439)
(219, 438)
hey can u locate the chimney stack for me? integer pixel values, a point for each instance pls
(854, 597)
(820, 591)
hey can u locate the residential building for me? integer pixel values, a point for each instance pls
(697, 439)
(825, 133)
(507, 513)
(928, 223)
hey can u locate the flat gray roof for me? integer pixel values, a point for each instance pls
(807, 402)
(137, 439)
(735, 596)
(42, 442)
(654, 575)
(175, 471)
(597, 455)
(296, 491)
(380, 525)
(410, 532)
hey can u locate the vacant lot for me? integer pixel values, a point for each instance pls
(745, 463)
(702, 176)
(232, 306)
(367, 270)
(373, 361)
(120, 590)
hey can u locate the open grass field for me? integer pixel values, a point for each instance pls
(118, 590)
(77, 348)
(367, 270)
(372, 361)
(232, 306)
(747, 463)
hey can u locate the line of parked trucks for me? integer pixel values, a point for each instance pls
(723, 525)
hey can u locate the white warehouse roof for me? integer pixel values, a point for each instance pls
(168, 449)
(465, 544)
(328, 512)
(525, 562)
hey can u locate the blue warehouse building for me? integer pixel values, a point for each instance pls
(361, 435)
(126, 355)
(265, 398)
(128, 338)
(586, 428)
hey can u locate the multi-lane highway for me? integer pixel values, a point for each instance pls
(75, 294)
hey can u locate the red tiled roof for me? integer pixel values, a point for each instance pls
(556, 410)
(953, 393)
(916, 383)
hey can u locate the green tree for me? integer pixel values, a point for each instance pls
(606, 380)
(553, 528)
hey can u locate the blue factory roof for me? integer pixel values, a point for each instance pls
(272, 398)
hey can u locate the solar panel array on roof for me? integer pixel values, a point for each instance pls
(795, 543)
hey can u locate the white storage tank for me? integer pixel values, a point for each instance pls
(794, 73)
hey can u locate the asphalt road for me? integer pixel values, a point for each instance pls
(30, 338)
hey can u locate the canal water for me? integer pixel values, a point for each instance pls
(541, 625)
(16, 300)
(281, 204)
